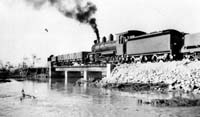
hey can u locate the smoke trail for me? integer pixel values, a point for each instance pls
(79, 10)
(94, 27)
(36, 3)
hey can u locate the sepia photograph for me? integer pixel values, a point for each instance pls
(99, 58)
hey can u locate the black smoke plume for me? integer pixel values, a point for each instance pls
(94, 27)
(82, 11)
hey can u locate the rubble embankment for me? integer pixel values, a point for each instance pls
(164, 76)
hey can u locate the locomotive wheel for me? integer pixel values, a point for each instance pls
(186, 56)
(191, 57)
(170, 57)
(137, 59)
(198, 57)
(144, 59)
(154, 58)
(132, 59)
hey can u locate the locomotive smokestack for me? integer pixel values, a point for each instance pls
(94, 27)
(79, 10)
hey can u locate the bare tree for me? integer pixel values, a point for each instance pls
(35, 60)
(25, 62)
(8, 65)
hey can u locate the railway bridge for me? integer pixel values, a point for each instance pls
(88, 72)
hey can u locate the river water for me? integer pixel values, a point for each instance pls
(54, 98)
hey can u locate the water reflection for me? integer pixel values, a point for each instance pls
(55, 98)
(57, 83)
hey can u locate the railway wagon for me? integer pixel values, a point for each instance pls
(163, 45)
(71, 58)
(191, 48)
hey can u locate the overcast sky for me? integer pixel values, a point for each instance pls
(22, 28)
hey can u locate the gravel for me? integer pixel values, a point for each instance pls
(178, 75)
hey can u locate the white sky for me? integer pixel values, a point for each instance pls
(22, 27)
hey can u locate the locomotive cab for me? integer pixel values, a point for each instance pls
(121, 45)
(122, 39)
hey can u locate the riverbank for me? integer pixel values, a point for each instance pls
(173, 102)
(4, 80)
(163, 77)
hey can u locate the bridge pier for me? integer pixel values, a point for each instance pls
(66, 77)
(50, 70)
(85, 75)
(108, 70)
(74, 75)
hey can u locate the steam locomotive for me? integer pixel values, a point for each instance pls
(137, 46)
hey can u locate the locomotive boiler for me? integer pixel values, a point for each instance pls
(105, 47)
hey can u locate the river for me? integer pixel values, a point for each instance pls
(56, 99)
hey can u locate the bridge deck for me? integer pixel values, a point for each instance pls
(82, 68)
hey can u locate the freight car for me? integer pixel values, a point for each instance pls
(69, 59)
(191, 48)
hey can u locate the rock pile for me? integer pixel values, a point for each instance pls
(178, 75)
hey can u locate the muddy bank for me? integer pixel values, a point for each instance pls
(173, 102)
(4, 80)
(132, 87)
